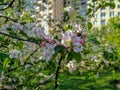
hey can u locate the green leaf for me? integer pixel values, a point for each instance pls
(59, 48)
(6, 61)
(20, 45)
(3, 56)
(89, 11)
(112, 5)
(77, 56)
(80, 17)
(89, 25)
(94, 40)
(70, 27)
(69, 56)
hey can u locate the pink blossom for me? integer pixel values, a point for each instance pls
(38, 31)
(78, 41)
(66, 38)
(58, 43)
(43, 44)
(81, 41)
(50, 40)
(74, 35)
(84, 34)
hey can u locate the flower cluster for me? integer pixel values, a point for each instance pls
(13, 26)
(70, 38)
(48, 49)
(72, 66)
(74, 38)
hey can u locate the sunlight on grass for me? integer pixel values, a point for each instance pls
(79, 82)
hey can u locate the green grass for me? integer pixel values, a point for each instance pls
(86, 81)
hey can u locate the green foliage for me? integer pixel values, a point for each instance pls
(1, 1)
(110, 54)
(89, 25)
(89, 11)
(29, 70)
(93, 39)
(59, 48)
(74, 56)
(111, 4)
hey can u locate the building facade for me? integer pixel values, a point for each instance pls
(102, 15)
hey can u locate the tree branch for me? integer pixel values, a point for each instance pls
(9, 18)
(25, 61)
(46, 81)
(57, 72)
(14, 37)
(8, 6)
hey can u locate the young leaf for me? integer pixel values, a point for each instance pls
(89, 25)
(89, 11)
(6, 61)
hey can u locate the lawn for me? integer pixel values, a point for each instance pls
(86, 81)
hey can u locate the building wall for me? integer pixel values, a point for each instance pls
(58, 9)
(55, 8)
(101, 16)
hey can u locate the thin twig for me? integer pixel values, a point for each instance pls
(46, 81)
(8, 6)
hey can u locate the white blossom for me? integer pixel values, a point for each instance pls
(14, 53)
(48, 51)
(72, 65)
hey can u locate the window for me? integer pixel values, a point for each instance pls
(111, 14)
(95, 16)
(68, 2)
(64, 3)
(102, 9)
(84, 7)
(95, 22)
(83, 1)
(103, 22)
(83, 13)
(103, 15)
(118, 13)
(118, 6)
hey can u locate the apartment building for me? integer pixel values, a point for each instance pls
(58, 7)
(55, 8)
(102, 15)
